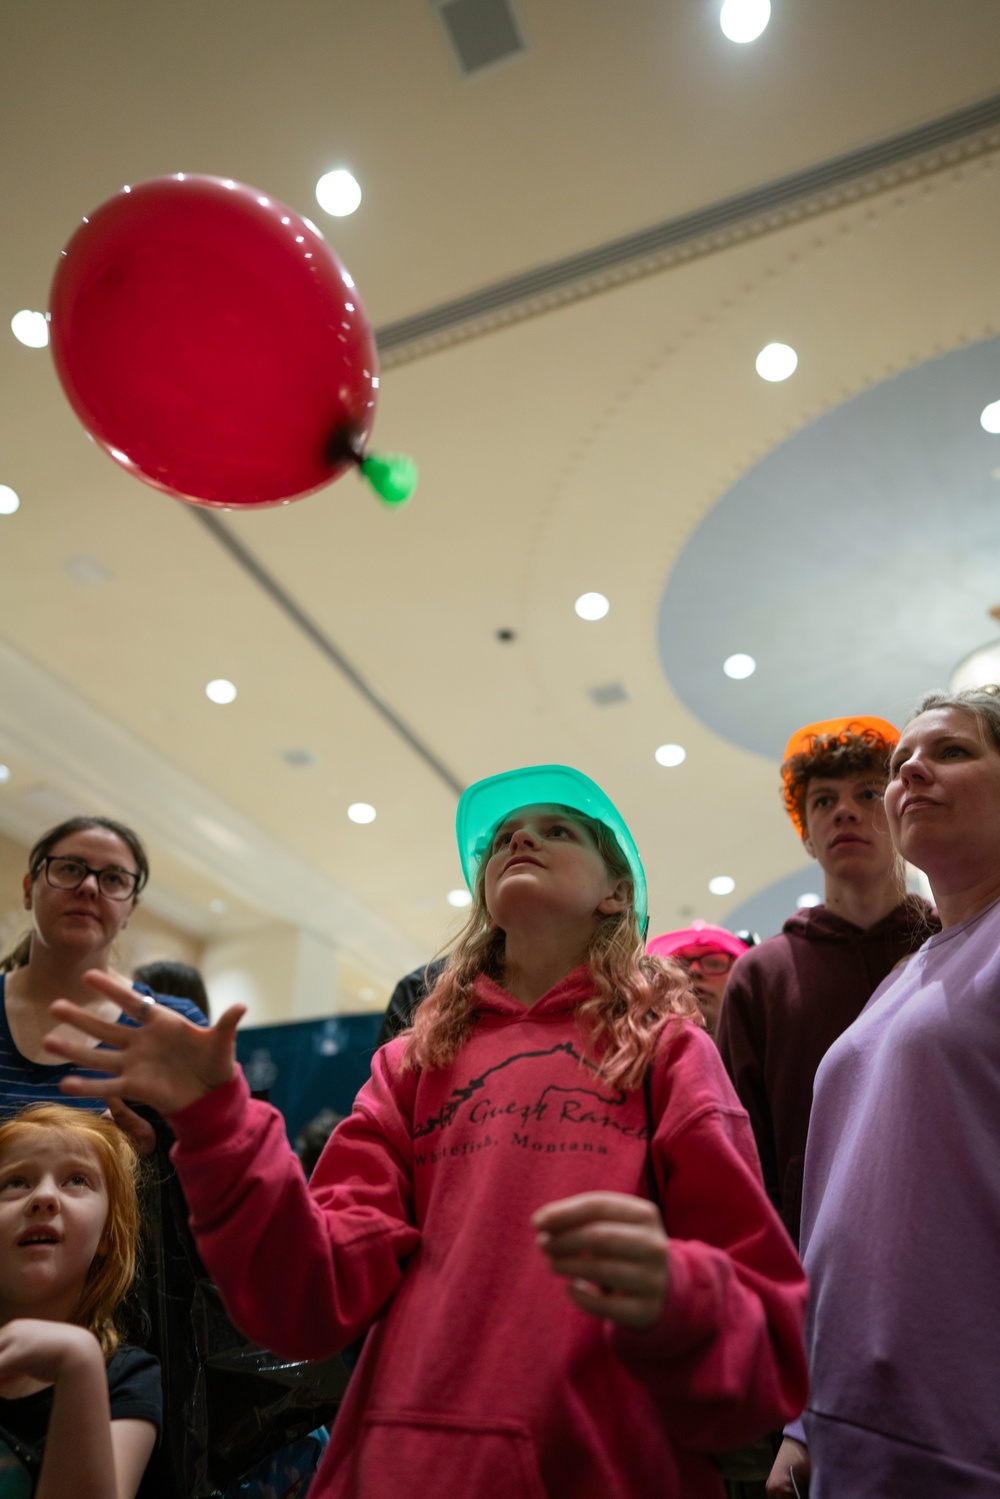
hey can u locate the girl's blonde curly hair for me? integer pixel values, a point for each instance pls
(635, 995)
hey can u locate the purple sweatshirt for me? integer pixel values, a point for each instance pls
(901, 1233)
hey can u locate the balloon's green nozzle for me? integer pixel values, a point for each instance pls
(393, 476)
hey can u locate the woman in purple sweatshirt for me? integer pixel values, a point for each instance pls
(901, 1208)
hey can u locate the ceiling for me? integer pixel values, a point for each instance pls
(573, 258)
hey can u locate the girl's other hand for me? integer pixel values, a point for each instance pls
(790, 1474)
(165, 1061)
(614, 1252)
(36, 1349)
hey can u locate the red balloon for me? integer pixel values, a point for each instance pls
(213, 344)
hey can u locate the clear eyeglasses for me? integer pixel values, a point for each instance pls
(64, 873)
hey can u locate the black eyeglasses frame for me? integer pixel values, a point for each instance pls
(88, 869)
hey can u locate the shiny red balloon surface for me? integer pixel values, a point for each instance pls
(212, 343)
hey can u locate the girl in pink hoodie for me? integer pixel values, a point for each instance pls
(546, 1205)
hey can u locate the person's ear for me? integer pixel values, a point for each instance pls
(617, 899)
(807, 844)
(26, 884)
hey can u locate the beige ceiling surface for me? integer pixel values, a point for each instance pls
(571, 451)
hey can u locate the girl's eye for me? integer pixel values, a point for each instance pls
(501, 841)
(17, 1182)
(77, 1180)
(559, 829)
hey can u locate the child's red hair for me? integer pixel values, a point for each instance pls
(113, 1268)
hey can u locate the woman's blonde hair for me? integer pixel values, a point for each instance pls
(982, 702)
(636, 995)
(113, 1268)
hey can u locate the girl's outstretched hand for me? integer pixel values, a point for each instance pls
(613, 1250)
(165, 1061)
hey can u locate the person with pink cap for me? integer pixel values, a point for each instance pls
(707, 953)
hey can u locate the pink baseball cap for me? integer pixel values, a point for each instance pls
(698, 934)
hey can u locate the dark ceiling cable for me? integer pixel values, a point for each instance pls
(816, 189)
(323, 644)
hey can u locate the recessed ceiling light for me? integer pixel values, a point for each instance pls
(592, 606)
(739, 666)
(776, 362)
(361, 812)
(9, 500)
(722, 884)
(217, 907)
(670, 755)
(807, 901)
(459, 898)
(220, 690)
(367, 994)
(4, 773)
(990, 418)
(30, 328)
(744, 20)
(338, 193)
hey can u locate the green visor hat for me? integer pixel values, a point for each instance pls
(486, 804)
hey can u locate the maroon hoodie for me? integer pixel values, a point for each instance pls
(480, 1379)
(786, 1003)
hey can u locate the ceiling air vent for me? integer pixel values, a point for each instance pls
(482, 32)
(608, 693)
(89, 572)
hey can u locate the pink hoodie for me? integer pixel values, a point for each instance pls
(480, 1377)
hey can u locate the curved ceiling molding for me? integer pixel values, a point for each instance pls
(856, 563)
(926, 148)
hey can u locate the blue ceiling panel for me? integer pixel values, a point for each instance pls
(856, 563)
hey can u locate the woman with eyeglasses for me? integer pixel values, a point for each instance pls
(83, 882)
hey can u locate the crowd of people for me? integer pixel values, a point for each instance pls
(562, 1226)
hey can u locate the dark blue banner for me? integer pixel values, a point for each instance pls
(308, 1065)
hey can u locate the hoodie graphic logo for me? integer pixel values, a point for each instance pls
(592, 1101)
